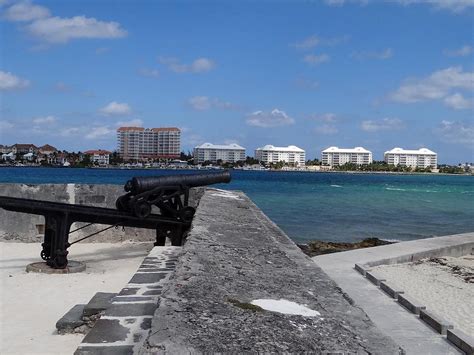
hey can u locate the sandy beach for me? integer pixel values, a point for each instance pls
(32, 303)
(445, 285)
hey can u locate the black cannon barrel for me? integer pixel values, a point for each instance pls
(144, 183)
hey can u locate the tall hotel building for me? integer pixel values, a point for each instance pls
(138, 143)
(213, 152)
(334, 156)
(420, 158)
(271, 154)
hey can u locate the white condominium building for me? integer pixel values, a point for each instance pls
(420, 158)
(213, 152)
(138, 143)
(271, 154)
(334, 156)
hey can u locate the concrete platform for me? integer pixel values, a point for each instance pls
(235, 255)
(405, 328)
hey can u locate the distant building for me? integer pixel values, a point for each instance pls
(229, 153)
(47, 149)
(271, 154)
(99, 156)
(420, 158)
(138, 143)
(24, 148)
(335, 156)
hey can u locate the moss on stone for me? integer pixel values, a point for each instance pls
(245, 305)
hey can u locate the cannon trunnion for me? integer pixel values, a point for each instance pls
(170, 194)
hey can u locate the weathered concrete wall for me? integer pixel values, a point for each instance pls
(28, 228)
(234, 254)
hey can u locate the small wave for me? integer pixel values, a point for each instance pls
(390, 240)
(394, 189)
(336, 186)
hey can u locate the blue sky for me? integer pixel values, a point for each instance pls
(310, 73)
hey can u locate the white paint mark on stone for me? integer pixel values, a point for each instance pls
(226, 195)
(71, 191)
(285, 307)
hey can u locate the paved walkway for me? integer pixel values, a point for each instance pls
(414, 336)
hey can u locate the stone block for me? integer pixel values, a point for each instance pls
(390, 290)
(410, 303)
(105, 350)
(461, 340)
(98, 303)
(107, 331)
(147, 278)
(361, 268)
(435, 322)
(374, 278)
(71, 320)
(131, 310)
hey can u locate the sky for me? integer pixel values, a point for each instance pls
(346, 73)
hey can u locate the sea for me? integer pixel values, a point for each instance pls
(342, 207)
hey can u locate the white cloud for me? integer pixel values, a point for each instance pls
(203, 103)
(313, 59)
(4, 125)
(25, 11)
(452, 5)
(327, 129)
(382, 125)
(150, 73)
(325, 117)
(132, 123)
(68, 132)
(458, 102)
(435, 87)
(460, 52)
(307, 43)
(62, 30)
(116, 109)
(8, 81)
(100, 132)
(200, 65)
(274, 118)
(45, 120)
(457, 132)
(385, 54)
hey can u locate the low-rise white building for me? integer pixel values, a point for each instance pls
(271, 154)
(335, 156)
(228, 153)
(99, 156)
(419, 158)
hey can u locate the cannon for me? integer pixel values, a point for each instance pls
(170, 194)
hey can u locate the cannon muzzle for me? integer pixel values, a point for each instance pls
(141, 184)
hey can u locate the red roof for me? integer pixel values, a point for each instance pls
(99, 152)
(120, 129)
(165, 129)
(48, 147)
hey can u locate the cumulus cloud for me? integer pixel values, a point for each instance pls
(61, 30)
(456, 132)
(45, 120)
(150, 73)
(456, 6)
(460, 52)
(199, 65)
(382, 125)
(458, 102)
(132, 123)
(314, 40)
(100, 132)
(314, 59)
(116, 109)
(326, 129)
(385, 54)
(8, 81)
(328, 117)
(4, 125)
(274, 118)
(203, 103)
(437, 86)
(25, 11)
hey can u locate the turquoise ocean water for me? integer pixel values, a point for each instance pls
(326, 206)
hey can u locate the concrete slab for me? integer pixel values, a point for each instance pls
(234, 255)
(98, 303)
(413, 335)
(71, 320)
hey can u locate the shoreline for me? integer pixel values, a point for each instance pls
(351, 172)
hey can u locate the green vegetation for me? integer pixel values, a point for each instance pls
(446, 169)
(380, 166)
(245, 305)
